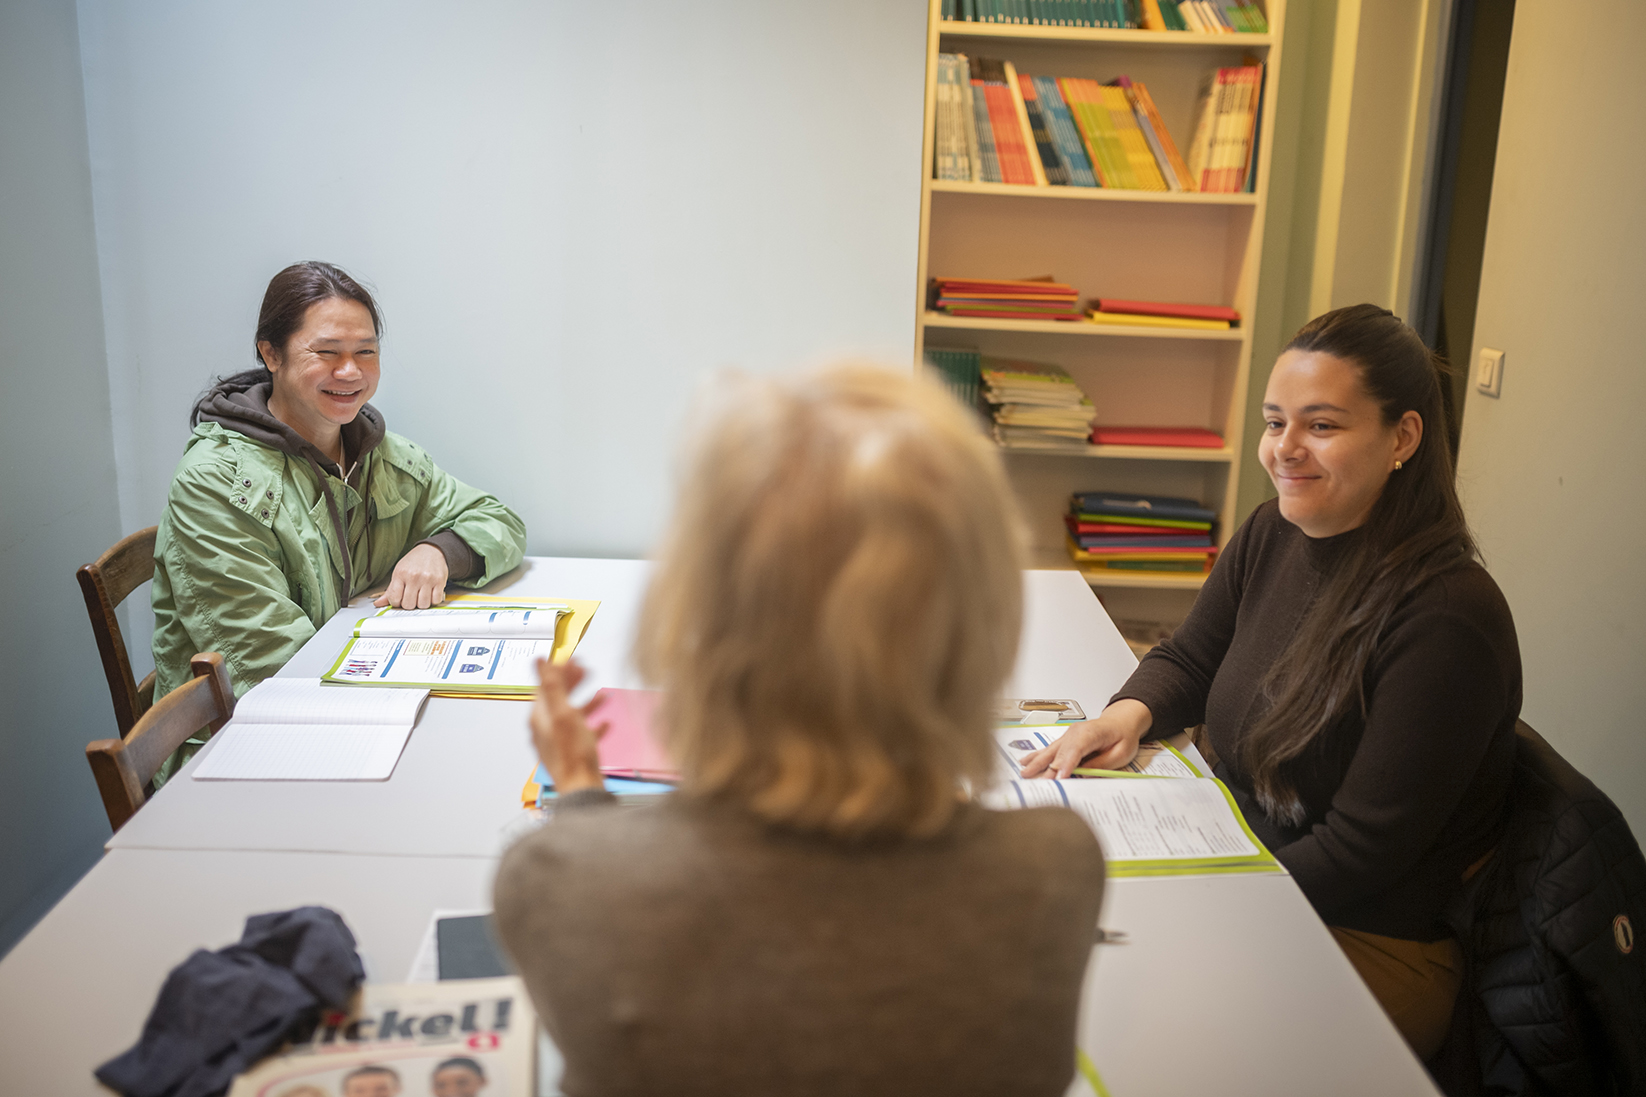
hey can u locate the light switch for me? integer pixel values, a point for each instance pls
(1489, 372)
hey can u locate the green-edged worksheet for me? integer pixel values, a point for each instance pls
(1163, 817)
(482, 648)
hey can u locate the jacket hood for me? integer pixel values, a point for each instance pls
(241, 403)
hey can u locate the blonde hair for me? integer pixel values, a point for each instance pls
(837, 605)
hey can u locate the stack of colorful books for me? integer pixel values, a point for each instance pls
(1006, 299)
(1036, 405)
(1162, 314)
(1118, 531)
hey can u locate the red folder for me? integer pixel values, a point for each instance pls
(1156, 436)
(1167, 308)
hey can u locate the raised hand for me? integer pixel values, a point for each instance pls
(566, 745)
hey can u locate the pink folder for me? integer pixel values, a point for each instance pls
(630, 748)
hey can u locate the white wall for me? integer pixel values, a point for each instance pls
(57, 488)
(1553, 474)
(570, 211)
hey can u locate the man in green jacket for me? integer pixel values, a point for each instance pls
(289, 464)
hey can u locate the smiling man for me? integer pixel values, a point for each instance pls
(292, 497)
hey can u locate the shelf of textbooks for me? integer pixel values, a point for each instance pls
(1164, 245)
(1134, 39)
(1092, 194)
(1053, 327)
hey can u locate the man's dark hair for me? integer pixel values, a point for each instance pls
(368, 1070)
(465, 1063)
(299, 286)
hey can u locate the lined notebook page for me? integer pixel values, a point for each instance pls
(295, 729)
(308, 701)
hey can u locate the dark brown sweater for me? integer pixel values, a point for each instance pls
(1399, 803)
(687, 949)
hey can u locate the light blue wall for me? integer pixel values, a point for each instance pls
(57, 489)
(572, 212)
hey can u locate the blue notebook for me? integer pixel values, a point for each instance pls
(617, 786)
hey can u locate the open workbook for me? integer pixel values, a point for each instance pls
(471, 644)
(295, 729)
(1160, 816)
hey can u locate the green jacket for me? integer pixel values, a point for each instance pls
(247, 562)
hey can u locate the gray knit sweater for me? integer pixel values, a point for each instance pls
(685, 948)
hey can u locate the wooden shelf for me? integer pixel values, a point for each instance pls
(1173, 39)
(1080, 327)
(1092, 194)
(1132, 453)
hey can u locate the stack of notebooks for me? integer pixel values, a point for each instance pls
(632, 762)
(1122, 532)
(1200, 16)
(1006, 299)
(996, 125)
(1162, 314)
(1036, 405)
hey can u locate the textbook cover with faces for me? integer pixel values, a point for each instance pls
(461, 1038)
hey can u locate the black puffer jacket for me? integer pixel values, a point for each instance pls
(1555, 995)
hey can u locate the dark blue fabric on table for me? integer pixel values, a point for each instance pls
(220, 1012)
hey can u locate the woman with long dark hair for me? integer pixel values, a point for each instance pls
(1355, 667)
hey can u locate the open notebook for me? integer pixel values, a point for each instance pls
(295, 729)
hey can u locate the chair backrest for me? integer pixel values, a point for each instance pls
(125, 768)
(105, 584)
(1559, 980)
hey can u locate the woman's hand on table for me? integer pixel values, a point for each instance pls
(419, 580)
(1107, 742)
(566, 745)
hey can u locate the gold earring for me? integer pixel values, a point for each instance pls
(1397, 466)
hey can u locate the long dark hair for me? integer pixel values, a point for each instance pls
(1415, 532)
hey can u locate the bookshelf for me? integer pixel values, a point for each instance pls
(1123, 243)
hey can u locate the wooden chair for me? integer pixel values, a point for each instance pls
(106, 583)
(125, 767)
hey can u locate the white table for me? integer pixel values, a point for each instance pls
(1228, 984)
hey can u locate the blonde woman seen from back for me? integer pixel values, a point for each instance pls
(818, 910)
